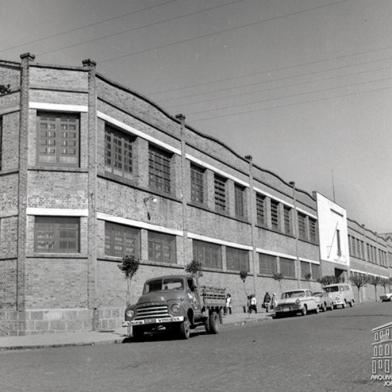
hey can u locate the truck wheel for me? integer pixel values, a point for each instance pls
(137, 333)
(185, 331)
(214, 322)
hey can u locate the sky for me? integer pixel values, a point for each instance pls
(304, 86)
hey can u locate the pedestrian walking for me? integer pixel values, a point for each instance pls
(228, 304)
(253, 304)
(267, 302)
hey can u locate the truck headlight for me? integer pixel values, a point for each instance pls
(175, 308)
(130, 313)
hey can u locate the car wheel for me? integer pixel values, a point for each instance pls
(185, 331)
(304, 311)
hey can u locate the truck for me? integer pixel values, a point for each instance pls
(174, 303)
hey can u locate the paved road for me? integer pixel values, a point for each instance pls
(325, 352)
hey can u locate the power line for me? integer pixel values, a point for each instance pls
(288, 96)
(86, 26)
(292, 104)
(219, 32)
(141, 27)
(237, 94)
(267, 71)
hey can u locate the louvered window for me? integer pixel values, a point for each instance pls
(239, 193)
(260, 209)
(287, 220)
(274, 215)
(302, 226)
(220, 193)
(313, 230)
(58, 139)
(159, 169)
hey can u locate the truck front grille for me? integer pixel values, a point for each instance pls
(151, 311)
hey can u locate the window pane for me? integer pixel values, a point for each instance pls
(274, 215)
(287, 220)
(58, 138)
(162, 247)
(305, 269)
(315, 271)
(287, 267)
(159, 169)
(260, 209)
(56, 234)
(313, 230)
(302, 226)
(220, 193)
(268, 265)
(237, 259)
(121, 240)
(239, 201)
(210, 255)
(197, 184)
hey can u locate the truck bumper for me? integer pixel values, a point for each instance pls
(165, 320)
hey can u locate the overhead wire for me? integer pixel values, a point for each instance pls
(58, 34)
(140, 27)
(137, 52)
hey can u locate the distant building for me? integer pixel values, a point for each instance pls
(382, 349)
(91, 170)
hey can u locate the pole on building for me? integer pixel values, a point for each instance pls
(181, 118)
(295, 226)
(252, 221)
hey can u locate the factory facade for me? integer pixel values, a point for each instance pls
(91, 171)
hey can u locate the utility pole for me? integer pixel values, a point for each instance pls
(297, 267)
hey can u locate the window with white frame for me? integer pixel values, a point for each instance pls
(267, 264)
(159, 165)
(287, 267)
(121, 240)
(237, 259)
(162, 247)
(208, 254)
(197, 184)
(260, 209)
(239, 201)
(220, 193)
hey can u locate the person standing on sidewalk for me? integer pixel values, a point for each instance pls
(253, 304)
(228, 304)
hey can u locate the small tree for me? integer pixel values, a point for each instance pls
(195, 269)
(375, 281)
(359, 281)
(328, 279)
(243, 276)
(5, 89)
(129, 266)
(279, 277)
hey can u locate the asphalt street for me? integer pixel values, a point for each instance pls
(326, 352)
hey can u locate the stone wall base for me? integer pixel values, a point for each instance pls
(41, 321)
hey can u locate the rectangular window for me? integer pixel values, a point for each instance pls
(287, 267)
(305, 269)
(58, 138)
(197, 184)
(220, 193)
(159, 163)
(260, 209)
(121, 240)
(118, 152)
(315, 271)
(210, 255)
(338, 244)
(313, 230)
(239, 193)
(274, 215)
(302, 226)
(237, 259)
(287, 220)
(162, 247)
(267, 264)
(53, 234)
(1, 140)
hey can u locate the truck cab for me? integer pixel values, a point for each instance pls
(173, 303)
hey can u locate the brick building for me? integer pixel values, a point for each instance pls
(90, 170)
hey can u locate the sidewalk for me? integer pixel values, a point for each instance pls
(100, 337)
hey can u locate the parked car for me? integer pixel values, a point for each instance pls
(296, 301)
(341, 294)
(386, 297)
(324, 300)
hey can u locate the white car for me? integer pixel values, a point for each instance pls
(386, 297)
(296, 301)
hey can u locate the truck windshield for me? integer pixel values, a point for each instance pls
(163, 285)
